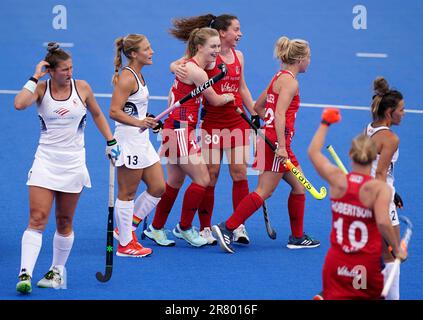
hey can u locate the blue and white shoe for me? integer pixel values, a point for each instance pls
(224, 236)
(304, 242)
(159, 236)
(192, 236)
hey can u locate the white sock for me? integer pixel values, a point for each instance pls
(124, 212)
(62, 247)
(394, 291)
(144, 204)
(31, 246)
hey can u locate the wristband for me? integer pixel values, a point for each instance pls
(111, 142)
(325, 123)
(30, 86)
(33, 79)
(226, 98)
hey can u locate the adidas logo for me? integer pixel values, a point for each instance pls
(227, 239)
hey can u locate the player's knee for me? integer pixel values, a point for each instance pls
(214, 174)
(157, 191)
(38, 219)
(63, 224)
(297, 189)
(264, 194)
(204, 181)
(238, 172)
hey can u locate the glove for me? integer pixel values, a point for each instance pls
(398, 201)
(330, 115)
(256, 120)
(159, 126)
(112, 150)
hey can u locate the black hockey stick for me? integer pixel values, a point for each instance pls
(270, 231)
(144, 226)
(193, 93)
(109, 247)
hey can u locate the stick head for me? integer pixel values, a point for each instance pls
(223, 67)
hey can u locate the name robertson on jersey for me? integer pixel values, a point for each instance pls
(351, 210)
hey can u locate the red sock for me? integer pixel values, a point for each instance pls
(164, 206)
(250, 204)
(193, 197)
(239, 191)
(296, 204)
(205, 209)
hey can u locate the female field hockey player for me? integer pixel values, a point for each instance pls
(180, 142)
(223, 130)
(387, 111)
(139, 160)
(278, 106)
(360, 219)
(59, 172)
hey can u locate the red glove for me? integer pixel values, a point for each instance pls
(330, 115)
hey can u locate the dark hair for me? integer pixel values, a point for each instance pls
(55, 54)
(384, 98)
(182, 27)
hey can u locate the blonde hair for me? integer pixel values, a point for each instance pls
(363, 150)
(384, 98)
(125, 45)
(291, 51)
(199, 36)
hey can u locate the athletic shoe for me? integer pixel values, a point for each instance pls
(191, 236)
(24, 285)
(116, 235)
(159, 236)
(241, 235)
(318, 296)
(177, 234)
(52, 279)
(224, 236)
(133, 249)
(207, 234)
(304, 242)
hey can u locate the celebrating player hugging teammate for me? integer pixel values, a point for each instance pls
(59, 172)
(223, 130)
(180, 142)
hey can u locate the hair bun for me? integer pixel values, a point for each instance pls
(380, 86)
(52, 46)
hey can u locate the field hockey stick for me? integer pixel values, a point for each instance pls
(404, 244)
(193, 93)
(144, 226)
(109, 247)
(270, 231)
(319, 195)
(337, 160)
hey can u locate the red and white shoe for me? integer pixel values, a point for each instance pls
(133, 249)
(116, 235)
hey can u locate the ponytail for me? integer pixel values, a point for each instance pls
(118, 59)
